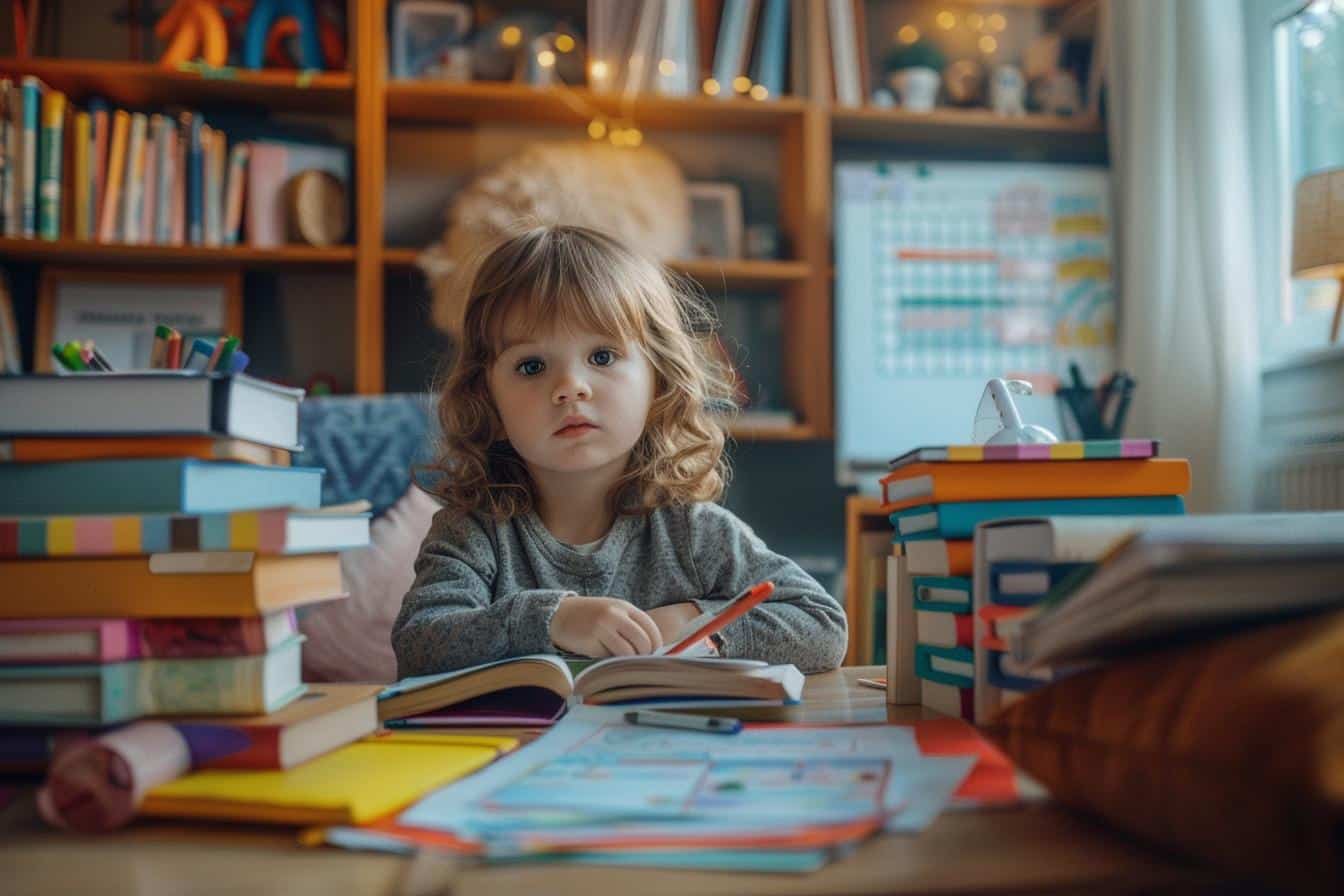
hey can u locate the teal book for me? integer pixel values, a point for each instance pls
(958, 519)
(154, 486)
(102, 694)
(51, 148)
(942, 594)
(953, 666)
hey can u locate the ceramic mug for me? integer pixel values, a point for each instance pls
(917, 87)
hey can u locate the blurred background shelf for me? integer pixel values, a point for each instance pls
(142, 84)
(895, 124)
(83, 252)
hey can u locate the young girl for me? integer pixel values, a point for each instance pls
(581, 459)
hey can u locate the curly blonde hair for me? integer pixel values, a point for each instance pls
(581, 278)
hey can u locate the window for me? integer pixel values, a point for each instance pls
(1304, 119)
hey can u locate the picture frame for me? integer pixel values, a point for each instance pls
(424, 32)
(118, 309)
(716, 220)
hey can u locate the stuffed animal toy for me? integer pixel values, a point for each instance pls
(193, 28)
(638, 195)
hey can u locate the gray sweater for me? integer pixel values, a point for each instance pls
(486, 590)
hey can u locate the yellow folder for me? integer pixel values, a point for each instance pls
(353, 785)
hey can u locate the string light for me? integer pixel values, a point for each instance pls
(711, 87)
(975, 21)
(667, 67)
(598, 70)
(988, 44)
(634, 137)
(946, 20)
(997, 22)
(597, 129)
(510, 36)
(546, 59)
(908, 34)
(741, 84)
(759, 92)
(564, 43)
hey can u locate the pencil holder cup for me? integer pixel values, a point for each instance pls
(1082, 418)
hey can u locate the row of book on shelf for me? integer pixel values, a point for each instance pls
(113, 175)
(1008, 567)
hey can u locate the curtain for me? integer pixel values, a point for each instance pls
(1180, 144)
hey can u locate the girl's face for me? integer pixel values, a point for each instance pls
(571, 401)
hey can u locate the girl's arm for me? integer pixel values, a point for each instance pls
(799, 624)
(448, 620)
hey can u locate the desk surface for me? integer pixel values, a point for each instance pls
(1026, 850)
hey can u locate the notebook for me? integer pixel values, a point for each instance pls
(57, 641)
(1098, 449)
(613, 680)
(352, 785)
(40, 450)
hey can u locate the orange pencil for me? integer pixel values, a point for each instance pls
(173, 357)
(733, 611)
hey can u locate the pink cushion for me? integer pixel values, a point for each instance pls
(351, 639)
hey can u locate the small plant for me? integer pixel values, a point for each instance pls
(920, 54)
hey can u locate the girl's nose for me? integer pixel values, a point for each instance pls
(571, 388)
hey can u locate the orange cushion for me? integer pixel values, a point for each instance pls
(1231, 750)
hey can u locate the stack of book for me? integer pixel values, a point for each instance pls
(154, 543)
(948, 597)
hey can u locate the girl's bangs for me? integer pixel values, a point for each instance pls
(595, 301)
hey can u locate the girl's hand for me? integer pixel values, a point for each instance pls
(603, 626)
(673, 618)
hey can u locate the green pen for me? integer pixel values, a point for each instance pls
(59, 355)
(70, 351)
(226, 354)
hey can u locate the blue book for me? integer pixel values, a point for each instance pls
(1004, 673)
(942, 594)
(31, 89)
(1026, 583)
(730, 48)
(958, 519)
(945, 665)
(770, 52)
(195, 183)
(154, 486)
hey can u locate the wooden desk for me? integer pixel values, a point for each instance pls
(1027, 850)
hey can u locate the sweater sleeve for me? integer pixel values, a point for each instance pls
(800, 623)
(450, 620)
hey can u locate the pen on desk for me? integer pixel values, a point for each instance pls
(707, 724)
(159, 350)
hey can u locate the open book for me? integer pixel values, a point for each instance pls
(540, 686)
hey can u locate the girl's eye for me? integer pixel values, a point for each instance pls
(530, 367)
(603, 357)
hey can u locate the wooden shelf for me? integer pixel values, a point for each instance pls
(138, 84)
(892, 124)
(799, 432)
(82, 252)
(711, 273)
(482, 102)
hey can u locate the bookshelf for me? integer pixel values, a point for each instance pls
(804, 130)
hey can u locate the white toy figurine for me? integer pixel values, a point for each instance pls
(998, 417)
(1006, 89)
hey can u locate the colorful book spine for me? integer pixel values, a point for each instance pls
(942, 593)
(6, 153)
(100, 126)
(64, 641)
(165, 151)
(108, 217)
(83, 187)
(958, 519)
(938, 557)
(945, 629)
(151, 191)
(133, 181)
(14, 150)
(263, 531)
(233, 205)
(51, 147)
(1026, 584)
(195, 182)
(32, 105)
(1097, 449)
(770, 56)
(130, 690)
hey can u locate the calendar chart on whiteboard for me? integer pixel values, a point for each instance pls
(949, 273)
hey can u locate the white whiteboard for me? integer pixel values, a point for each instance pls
(950, 273)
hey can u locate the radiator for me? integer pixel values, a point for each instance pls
(1302, 435)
